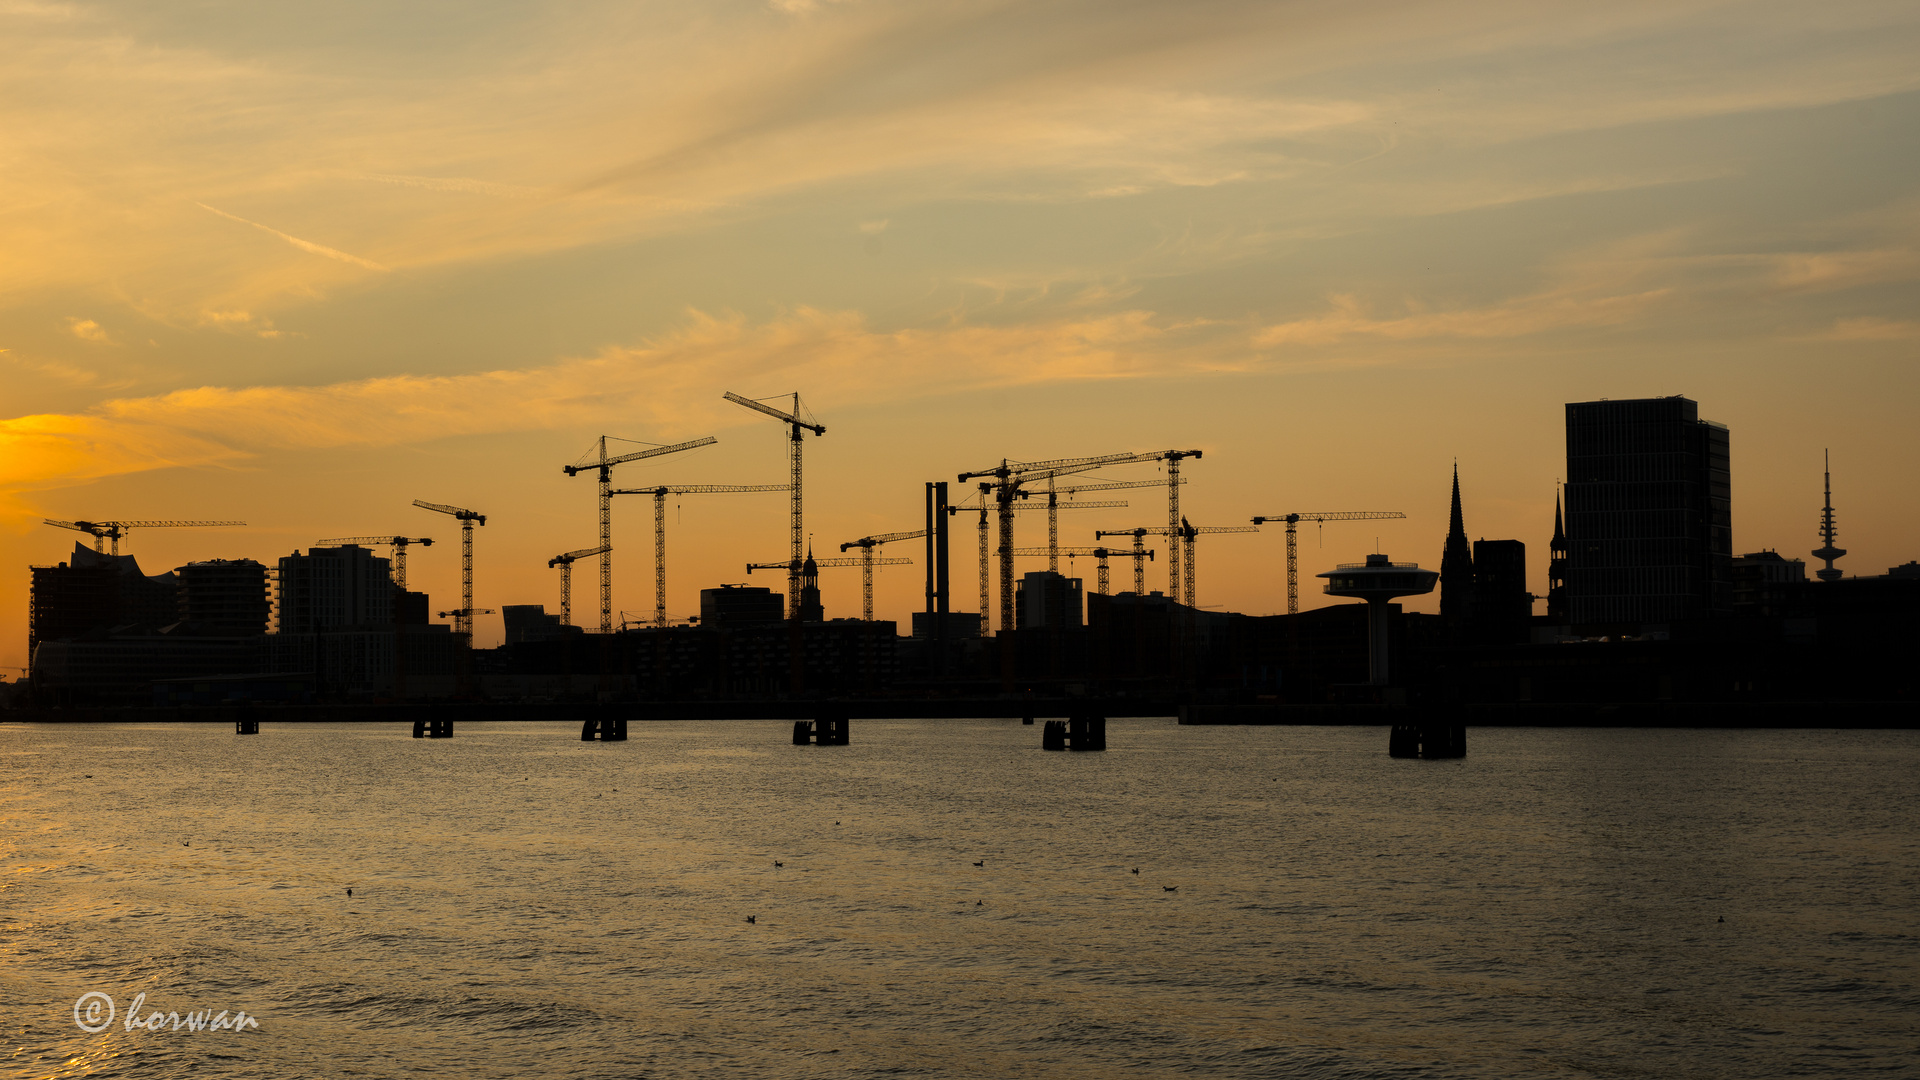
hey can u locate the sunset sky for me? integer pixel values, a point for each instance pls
(300, 266)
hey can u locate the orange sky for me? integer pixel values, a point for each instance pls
(301, 275)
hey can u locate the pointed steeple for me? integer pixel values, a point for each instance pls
(1557, 567)
(810, 607)
(1456, 567)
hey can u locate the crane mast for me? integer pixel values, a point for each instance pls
(462, 619)
(1187, 533)
(660, 529)
(1009, 476)
(1140, 554)
(565, 563)
(1293, 550)
(603, 465)
(1100, 554)
(796, 528)
(866, 544)
(866, 562)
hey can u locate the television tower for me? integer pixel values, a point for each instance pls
(1828, 553)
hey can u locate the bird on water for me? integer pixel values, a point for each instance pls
(1171, 888)
(749, 918)
(982, 862)
(777, 864)
(349, 892)
(1136, 869)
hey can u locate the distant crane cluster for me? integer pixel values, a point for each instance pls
(1002, 491)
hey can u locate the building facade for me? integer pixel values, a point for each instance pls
(226, 595)
(332, 588)
(1648, 512)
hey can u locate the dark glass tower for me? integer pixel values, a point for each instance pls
(1649, 512)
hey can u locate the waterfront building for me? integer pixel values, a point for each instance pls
(1648, 512)
(228, 596)
(334, 588)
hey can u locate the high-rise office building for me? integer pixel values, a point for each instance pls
(334, 587)
(1502, 606)
(1649, 512)
(1048, 598)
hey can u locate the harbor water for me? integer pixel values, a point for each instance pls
(945, 899)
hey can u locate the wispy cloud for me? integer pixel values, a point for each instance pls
(671, 383)
(1348, 318)
(1867, 328)
(304, 245)
(88, 330)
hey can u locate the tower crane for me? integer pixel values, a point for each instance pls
(1099, 553)
(114, 530)
(603, 466)
(866, 544)
(1140, 554)
(866, 562)
(987, 503)
(1053, 508)
(660, 528)
(1176, 534)
(1293, 521)
(796, 532)
(1188, 534)
(462, 619)
(1009, 476)
(565, 563)
(399, 545)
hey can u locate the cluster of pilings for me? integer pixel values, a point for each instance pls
(1075, 733)
(1431, 740)
(821, 731)
(433, 729)
(609, 729)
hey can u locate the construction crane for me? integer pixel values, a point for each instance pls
(399, 545)
(565, 563)
(1053, 508)
(866, 562)
(1188, 534)
(603, 466)
(1099, 553)
(660, 529)
(1009, 476)
(796, 532)
(866, 544)
(987, 503)
(1140, 554)
(1293, 551)
(114, 530)
(463, 619)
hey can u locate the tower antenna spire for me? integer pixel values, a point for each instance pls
(1827, 552)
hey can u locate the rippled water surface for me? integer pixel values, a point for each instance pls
(528, 905)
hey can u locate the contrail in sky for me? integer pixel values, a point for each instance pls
(303, 245)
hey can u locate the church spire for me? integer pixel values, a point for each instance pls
(1557, 567)
(1456, 567)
